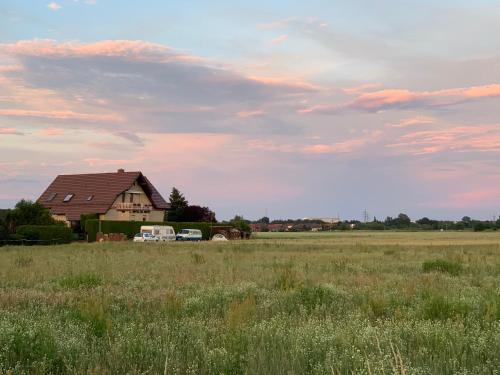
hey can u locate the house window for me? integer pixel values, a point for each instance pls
(68, 197)
(131, 198)
(51, 197)
(90, 197)
(123, 197)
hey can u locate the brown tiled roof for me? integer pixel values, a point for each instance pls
(104, 187)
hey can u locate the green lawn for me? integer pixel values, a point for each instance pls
(292, 303)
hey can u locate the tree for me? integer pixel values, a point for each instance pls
(4, 234)
(27, 212)
(197, 213)
(263, 220)
(240, 223)
(467, 221)
(177, 205)
(402, 221)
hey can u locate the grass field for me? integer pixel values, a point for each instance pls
(317, 303)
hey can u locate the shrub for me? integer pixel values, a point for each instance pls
(480, 226)
(441, 265)
(94, 315)
(45, 234)
(80, 281)
(130, 228)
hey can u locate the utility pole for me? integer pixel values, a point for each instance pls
(365, 216)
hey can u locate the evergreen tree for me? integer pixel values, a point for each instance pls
(177, 205)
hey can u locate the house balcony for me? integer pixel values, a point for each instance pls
(134, 207)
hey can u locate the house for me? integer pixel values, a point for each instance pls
(126, 196)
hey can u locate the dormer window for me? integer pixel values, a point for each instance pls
(51, 197)
(68, 197)
(89, 198)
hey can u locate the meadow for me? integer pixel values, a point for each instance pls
(315, 303)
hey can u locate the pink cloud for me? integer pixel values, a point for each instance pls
(246, 114)
(61, 115)
(10, 68)
(417, 120)
(96, 162)
(54, 6)
(347, 146)
(276, 24)
(401, 98)
(134, 50)
(476, 198)
(343, 147)
(49, 132)
(10, 131)
(292, 82)
(463, 138)
(280, 39)
(361, 89)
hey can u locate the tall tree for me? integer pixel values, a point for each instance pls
(178, 203)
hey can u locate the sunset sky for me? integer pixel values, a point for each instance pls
(290, 108)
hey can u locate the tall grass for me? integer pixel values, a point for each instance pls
(377, 303)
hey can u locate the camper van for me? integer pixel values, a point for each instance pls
(160, 232)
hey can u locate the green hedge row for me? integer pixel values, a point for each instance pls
(130, 228)
(45, 234)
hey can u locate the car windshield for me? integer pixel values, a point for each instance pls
(185, 231)
(138, 235)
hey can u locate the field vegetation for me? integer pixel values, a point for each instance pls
(316, 303)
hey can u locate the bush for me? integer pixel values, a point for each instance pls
(480, 226)
(130, 228)
(441, 265)
(45, 234)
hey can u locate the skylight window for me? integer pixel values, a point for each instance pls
(51, 197)
(90, 197)
(68, 197)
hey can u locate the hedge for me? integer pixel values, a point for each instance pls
(130, 228)
(45, 234)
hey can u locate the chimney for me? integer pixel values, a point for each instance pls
(121, 170)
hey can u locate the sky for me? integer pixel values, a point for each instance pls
(287, 109)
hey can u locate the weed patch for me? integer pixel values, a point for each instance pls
(441, 265)
(80, 281)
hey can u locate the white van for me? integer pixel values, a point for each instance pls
(160, 232)
(189, 235)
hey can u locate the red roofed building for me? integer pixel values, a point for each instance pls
(127, 196)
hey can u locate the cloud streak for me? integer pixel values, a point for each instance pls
(10, 131)
(406, 99)
(482, 138)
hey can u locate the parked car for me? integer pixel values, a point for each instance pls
(161, 232)
(145, 237)
(189, 235)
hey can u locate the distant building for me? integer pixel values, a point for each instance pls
(326, 220)
(257, 227)
(125, 196)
